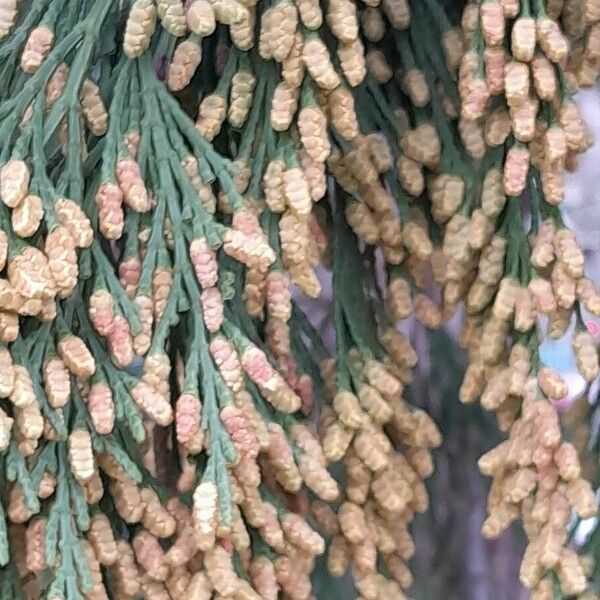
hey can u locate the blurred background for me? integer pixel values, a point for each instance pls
(453, 561)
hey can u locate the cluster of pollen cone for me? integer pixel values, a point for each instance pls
(174, 177)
